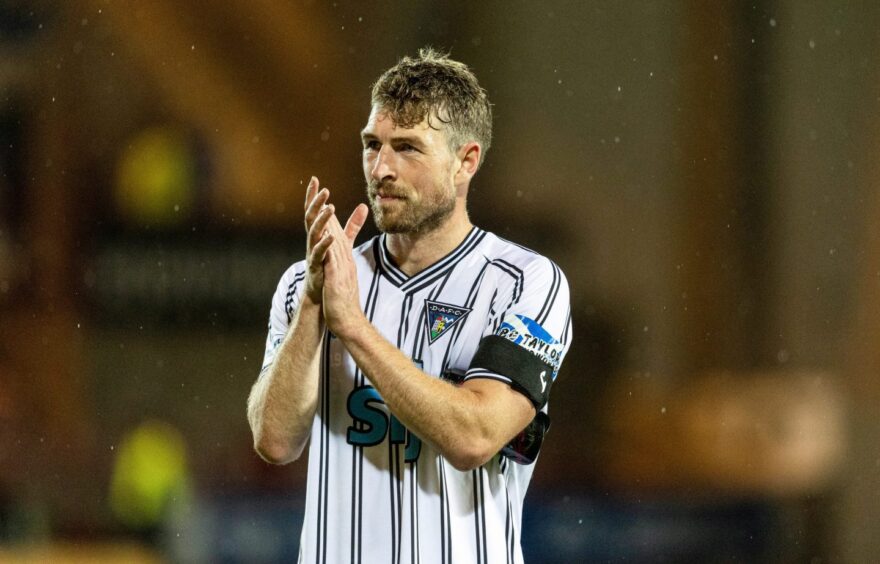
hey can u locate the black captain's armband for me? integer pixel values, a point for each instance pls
(529, 374)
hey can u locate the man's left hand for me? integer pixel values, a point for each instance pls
(342, 307)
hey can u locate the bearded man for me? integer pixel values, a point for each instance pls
(416, 365)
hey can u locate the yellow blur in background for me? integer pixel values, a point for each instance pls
(156, 178)
(150, 475)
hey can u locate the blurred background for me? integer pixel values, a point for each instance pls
(704, 172)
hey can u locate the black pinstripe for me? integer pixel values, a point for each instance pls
(478, 508)
(515, 272)
(483, 513)
(291, 294)
(510, 532)
(394, 477)
(324, 453)
(398, 474)
(551, 296)
(446, 525)
(443, 506)
(564, 338)
(358, 454)
(417, 548)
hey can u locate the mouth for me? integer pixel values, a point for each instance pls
(385, 198)
(385, 193)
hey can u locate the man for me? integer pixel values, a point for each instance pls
(411, 361)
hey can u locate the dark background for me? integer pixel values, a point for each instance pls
(703, 172)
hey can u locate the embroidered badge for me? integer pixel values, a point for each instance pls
(441, 317)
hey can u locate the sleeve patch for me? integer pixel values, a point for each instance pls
(532, 337)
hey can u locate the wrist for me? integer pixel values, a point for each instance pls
(310, 308)
(351, 326)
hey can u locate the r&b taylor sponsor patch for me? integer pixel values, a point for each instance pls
(529, 335)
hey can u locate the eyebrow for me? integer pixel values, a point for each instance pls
(414, 141)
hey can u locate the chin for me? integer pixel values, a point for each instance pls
(392, 228)
(387, 224)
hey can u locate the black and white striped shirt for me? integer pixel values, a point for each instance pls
(375, 492)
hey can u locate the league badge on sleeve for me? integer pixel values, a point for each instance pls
(441, 317)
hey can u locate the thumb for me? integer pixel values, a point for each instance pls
(356, 221)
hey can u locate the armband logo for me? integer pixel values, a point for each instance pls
(440, 318)
(528, 334)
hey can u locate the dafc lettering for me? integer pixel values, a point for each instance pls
(366, 407)
(453, 311)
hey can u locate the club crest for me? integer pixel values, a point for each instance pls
(441, 317)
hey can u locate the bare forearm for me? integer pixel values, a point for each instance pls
(282, 403)
(467, 424)
(461, 423)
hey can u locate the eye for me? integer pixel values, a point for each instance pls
(406, 148)
(371, 145)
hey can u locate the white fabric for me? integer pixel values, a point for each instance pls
(365, 501)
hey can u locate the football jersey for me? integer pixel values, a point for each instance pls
(375, 492)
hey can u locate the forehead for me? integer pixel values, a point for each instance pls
(380, 123)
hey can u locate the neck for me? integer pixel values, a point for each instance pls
(414, 252)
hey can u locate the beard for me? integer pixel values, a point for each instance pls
(406, 215)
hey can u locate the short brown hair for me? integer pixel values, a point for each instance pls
(434, 86)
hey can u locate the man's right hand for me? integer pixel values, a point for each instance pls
(318, 238)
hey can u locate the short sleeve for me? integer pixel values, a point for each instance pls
(526, 343)
(285, 302)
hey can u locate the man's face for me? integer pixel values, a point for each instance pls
(409, 173)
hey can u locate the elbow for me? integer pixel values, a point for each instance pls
(276, 451)
(269, 444)
(470, 454)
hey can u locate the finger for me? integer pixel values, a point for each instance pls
(356, 221)
(319, 226)
(311, 190)
(315, 206)
(319, 252)
(336, 251)
(334, 223)
(334, 227)
(321, 197)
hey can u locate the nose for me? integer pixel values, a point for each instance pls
(382, 167)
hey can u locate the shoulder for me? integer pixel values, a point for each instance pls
(531, 264)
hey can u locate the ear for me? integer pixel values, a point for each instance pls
(468, 157)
